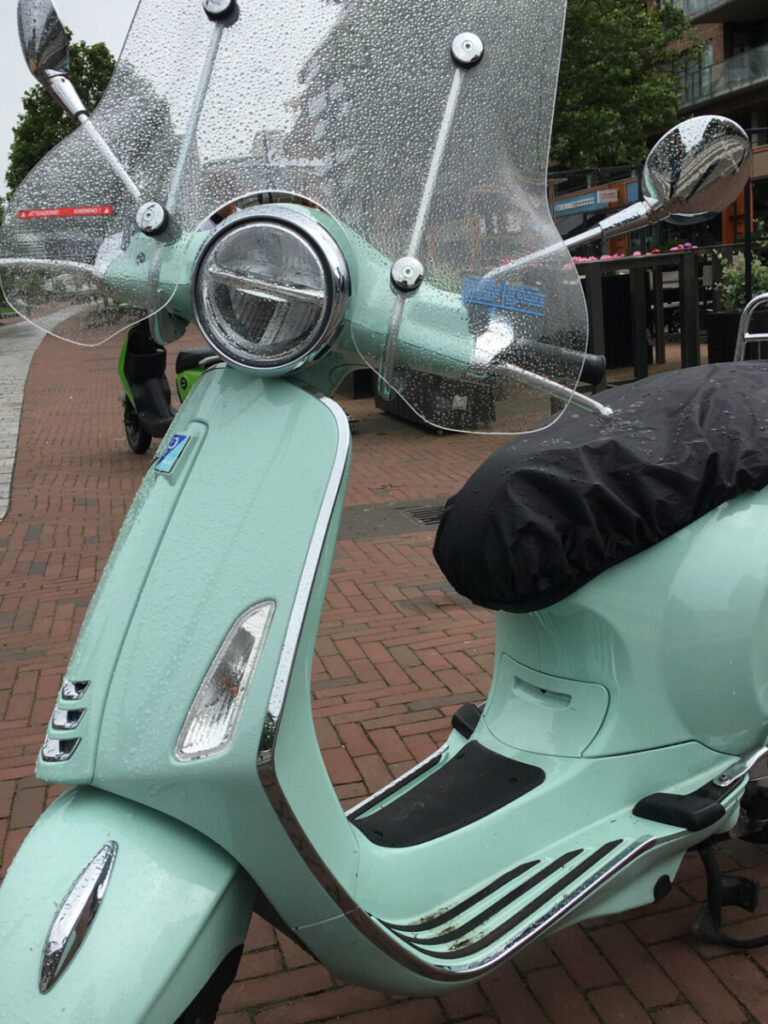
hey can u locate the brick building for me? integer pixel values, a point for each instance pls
(732, 79)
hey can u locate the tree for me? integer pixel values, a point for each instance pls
(43, 123)
(619, 80)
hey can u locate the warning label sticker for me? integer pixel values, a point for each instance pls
(67, 211)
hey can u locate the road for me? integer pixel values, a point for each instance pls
(18, 343)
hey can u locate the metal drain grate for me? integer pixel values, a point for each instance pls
(427, 515)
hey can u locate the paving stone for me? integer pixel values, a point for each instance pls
(397, 651)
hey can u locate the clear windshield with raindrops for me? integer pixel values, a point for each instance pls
(422, 148)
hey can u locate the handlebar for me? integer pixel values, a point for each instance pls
(532, 355)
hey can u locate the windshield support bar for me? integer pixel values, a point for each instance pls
(106, 151)
(194, 114)
(449, 115)
(387, 364)
(560, 391)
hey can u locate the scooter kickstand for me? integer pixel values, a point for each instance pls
(724, 891)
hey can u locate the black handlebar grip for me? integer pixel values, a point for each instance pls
(534, 356)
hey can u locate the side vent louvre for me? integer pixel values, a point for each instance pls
(59, 750)
(65, 719)
(73, 690)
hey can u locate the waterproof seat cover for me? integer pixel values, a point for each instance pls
(549, 511)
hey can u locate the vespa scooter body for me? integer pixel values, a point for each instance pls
(186, 701)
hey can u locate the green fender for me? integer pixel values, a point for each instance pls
(174, 906)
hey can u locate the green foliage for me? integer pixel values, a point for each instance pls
(732, 287)
(619, 80)
(43, 123)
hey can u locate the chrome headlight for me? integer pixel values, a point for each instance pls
(269, 288)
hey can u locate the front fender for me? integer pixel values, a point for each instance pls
(173, 907)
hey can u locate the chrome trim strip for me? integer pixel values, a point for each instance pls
(377, 932)
(735, 772)
(567, 903)
(457, 950)
(434, 921)
(279, 694)
(399, 783)
(442, 970)
(70, 925)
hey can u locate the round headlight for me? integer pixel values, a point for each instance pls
(269, 289)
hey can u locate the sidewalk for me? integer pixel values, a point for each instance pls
(398, 651)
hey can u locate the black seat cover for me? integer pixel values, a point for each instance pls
(549, 511)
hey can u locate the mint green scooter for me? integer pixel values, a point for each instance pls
(625, 548)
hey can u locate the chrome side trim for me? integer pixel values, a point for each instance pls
(382, 936)
(279, 694)
(735, 772)
(397, 784)
(514, 942)
(75, 916)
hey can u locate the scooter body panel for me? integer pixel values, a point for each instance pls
(265, 461)
(173, 907)
(676, 636)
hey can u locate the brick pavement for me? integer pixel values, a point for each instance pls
(397, 652)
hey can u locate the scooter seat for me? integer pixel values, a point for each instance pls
(551, 510)
(190, 358)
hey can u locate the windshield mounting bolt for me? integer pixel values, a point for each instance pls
(407, 273)
(151, 218)
(216, 9)
(467, 49)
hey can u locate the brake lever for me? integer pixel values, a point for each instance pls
(555, 390)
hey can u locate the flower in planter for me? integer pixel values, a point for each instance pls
(732, 287)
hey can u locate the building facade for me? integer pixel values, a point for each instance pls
(732, 79)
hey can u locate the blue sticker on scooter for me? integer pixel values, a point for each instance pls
(517, 298)
(170, 456)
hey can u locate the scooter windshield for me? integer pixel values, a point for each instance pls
(421, 129)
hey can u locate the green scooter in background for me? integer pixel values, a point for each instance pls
(147, 409)
(293, 178)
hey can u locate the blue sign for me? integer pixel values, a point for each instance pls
(579, 204)
(518, 298)
(170, 456)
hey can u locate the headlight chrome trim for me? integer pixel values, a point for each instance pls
(323, 248)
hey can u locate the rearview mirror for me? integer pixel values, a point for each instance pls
(43, 39)
(46, 50)
(697, 168)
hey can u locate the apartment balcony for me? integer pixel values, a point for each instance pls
(718, 81)
(735, 11)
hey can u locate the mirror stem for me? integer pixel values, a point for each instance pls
(66, 95)
(643, 212)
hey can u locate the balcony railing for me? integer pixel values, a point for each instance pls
(723, 10)
(693, 8)
(739, 72)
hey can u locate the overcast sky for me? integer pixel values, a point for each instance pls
(95, 21)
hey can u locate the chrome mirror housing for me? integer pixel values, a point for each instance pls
(697, 168)
(46, 50)
(692, 173)
(43, 39)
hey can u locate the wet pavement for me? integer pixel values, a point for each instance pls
(18, 344)
(398, 651)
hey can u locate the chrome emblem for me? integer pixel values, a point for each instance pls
(75, 916)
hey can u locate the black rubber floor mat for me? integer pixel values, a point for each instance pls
(471, 785)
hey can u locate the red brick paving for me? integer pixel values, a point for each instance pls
(397, 652)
